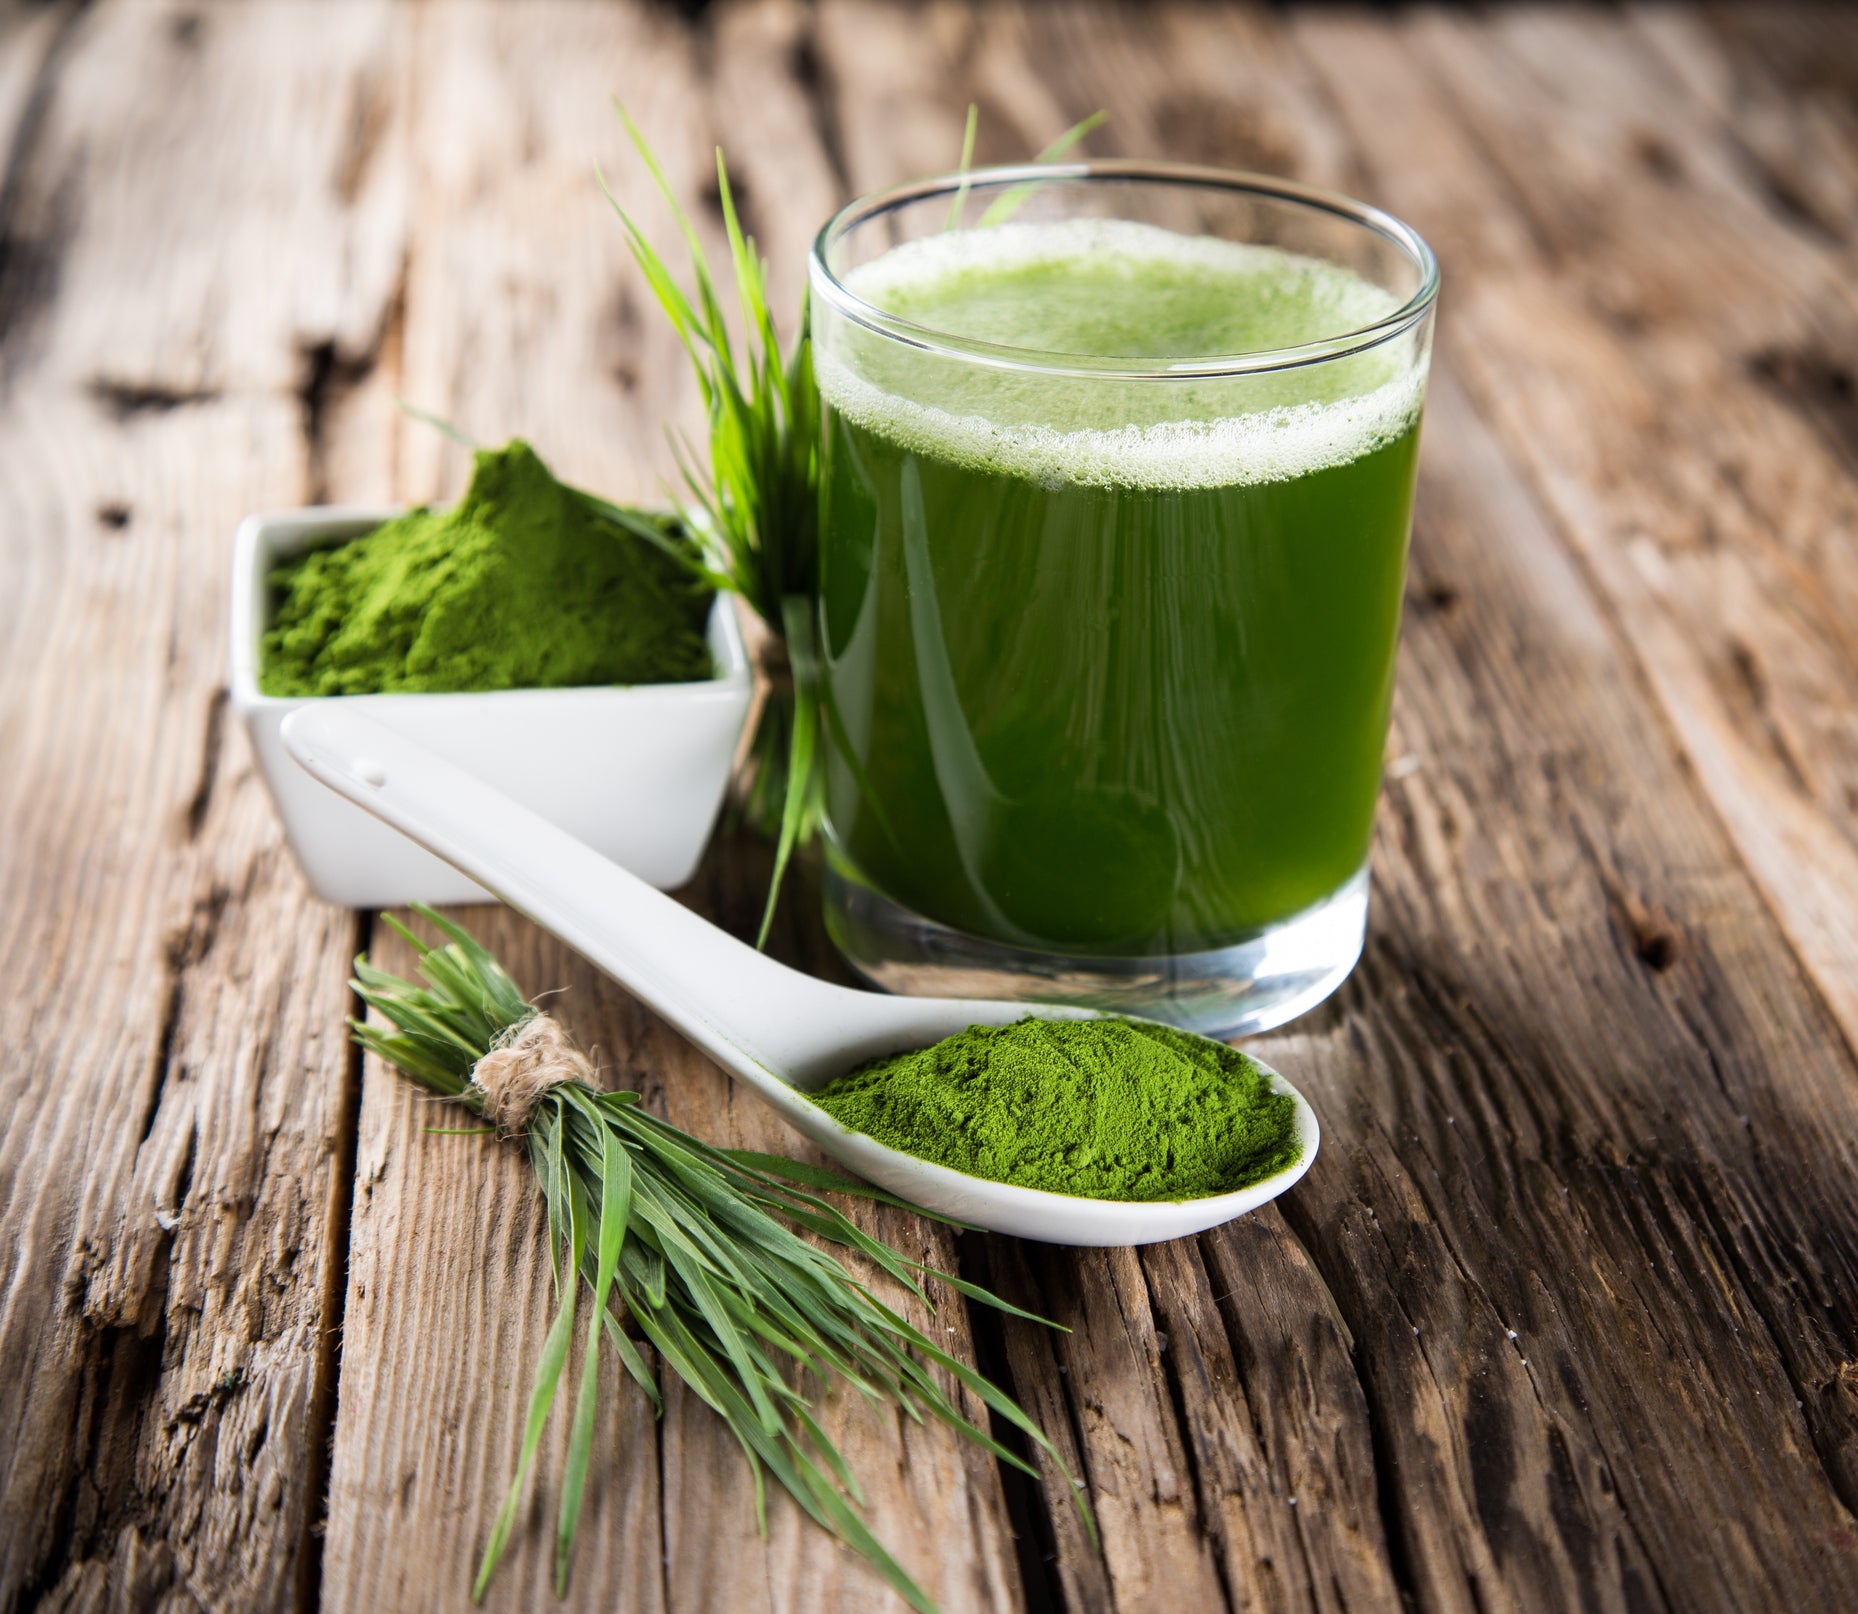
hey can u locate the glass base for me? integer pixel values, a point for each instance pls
(1281, 972)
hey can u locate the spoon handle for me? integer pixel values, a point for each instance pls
(733, 1002)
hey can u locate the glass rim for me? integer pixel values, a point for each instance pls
(865, 209)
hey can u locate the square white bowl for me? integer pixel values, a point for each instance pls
(636, 772)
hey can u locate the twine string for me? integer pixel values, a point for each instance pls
(524, 1063)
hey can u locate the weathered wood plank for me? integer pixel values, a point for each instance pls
(1634, 430)
(177, 1093)
(1192, 1479)
(1540, 978)
(1662, 889)
(1718, 533)
(1307, 1445)
(1587, 1202)
(449, 1296)
(516, 277)
(524, 313)
(1562, 1118)
(1141, 1483)
(936, 1502)
(1778, 77)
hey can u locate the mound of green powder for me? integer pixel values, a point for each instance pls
(524, 584)
(1107, 1109)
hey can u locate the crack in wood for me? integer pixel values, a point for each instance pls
(124, 401)
(1653, 938)
(1077, 1574)
(185, 946)
(164, 1050)
(1389, 1493)
(329, 375)
(1034, 1541)
(1828, 1406)
(1172, 1355)
(211, 744)
(101, 1499)
(1820, 385)
(326, 1382)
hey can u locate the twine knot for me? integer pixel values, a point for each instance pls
(523, 1064)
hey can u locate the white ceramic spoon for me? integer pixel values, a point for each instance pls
(779, 1031)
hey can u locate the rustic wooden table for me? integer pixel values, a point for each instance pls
(1566, 1313)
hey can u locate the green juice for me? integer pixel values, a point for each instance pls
(1108, 663)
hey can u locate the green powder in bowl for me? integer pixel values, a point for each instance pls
(524, 584)
(1106, 1109)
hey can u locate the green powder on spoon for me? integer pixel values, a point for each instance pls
(523, 584)
(1105, 1109)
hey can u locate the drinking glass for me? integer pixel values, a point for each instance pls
(1107, 638)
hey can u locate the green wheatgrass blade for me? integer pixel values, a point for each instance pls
(551, 1168)
(704, 1249)
(758, 496)
(633, 1362)
(834, 1458)
(829, 1223)
(802, 762)
(406, 1055)
(715, 330)
(751, 288)
(438, 423)
(1010, 201)
(683, 1262)
(851, 1529)
(642, 1268)
(769, 1166)
(975, 1292)
(541, 1398)
(615, 1200)
(689, 319)
(967, 162)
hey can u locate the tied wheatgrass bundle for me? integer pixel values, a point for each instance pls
(701, 1247)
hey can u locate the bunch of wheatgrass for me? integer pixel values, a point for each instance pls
(702, 1247)
(755, 513)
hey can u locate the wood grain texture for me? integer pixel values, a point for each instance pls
(1564, 1314)
(524, 314)
(1720, 535)
(449, 1297)
(1505, 1487)
(1194, 1500)
(443, 1323)
(177, 1087)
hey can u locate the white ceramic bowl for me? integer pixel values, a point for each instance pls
(637, 773)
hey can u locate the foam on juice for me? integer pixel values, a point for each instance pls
(1116, 289)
